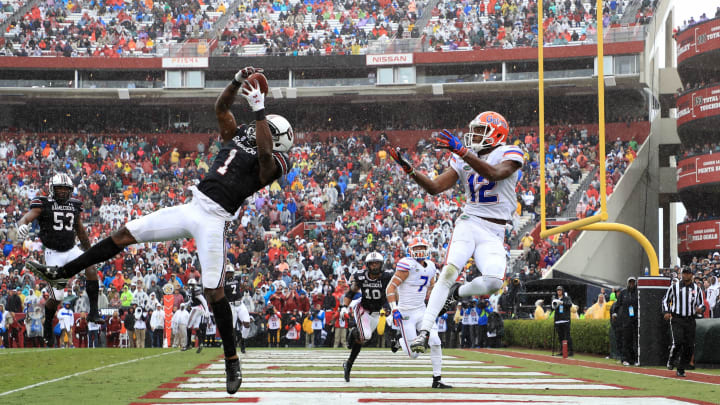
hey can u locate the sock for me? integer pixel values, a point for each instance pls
(354, 353)
(189, 338)
(438, 296)
(93, 287)
(224, 322)
(436, 360)
(98, 253)
(482, 285)
(200, 334)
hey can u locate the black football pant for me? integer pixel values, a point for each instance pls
(630, 342)
(683, 341)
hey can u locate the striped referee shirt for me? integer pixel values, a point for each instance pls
(682, 300)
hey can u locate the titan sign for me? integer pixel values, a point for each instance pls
(698, 104)
(698, 39)
(704, 169)
(697, 236)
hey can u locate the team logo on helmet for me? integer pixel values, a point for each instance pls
(487, 130)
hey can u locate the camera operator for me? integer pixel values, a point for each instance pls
(561, 305)
(292, 333)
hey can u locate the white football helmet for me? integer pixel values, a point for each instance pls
(61, 180)
(374, 262)
(192, 282)
(282, 132)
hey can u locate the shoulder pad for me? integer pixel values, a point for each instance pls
(405, 264)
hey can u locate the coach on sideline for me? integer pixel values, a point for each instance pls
(682, 301)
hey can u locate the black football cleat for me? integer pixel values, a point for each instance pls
(451, 300)
(670, 365)
(346, 371)
(184, 349)
(680, 373)
(438, 384)
(199, 349)
(95, 318)
(395, 345)
(47, 273)
(420, 344)
(233, 375)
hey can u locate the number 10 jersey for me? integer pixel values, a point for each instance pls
(484, 198)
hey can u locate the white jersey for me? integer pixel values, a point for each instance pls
(412, 291)
(489, 199)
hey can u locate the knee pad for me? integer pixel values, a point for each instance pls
(448, 275)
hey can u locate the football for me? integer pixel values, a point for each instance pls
(259, 78)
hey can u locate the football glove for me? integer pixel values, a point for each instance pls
(400, 160)
(245, 72)
(397, 317)
(254, 96)
(22, 232)
(447, 140)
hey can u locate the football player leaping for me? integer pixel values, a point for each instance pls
(413, 280)
(251, 157)
(486, 167)
(371, 285)
(59, 218)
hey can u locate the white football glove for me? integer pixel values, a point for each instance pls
(254, 96)
(23, 231)
(245, 72)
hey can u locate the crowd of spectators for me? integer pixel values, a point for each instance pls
(347, 187)
(106, 28)
(691, 22)
(115, 28)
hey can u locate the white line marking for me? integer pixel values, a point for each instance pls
(24, 351)
(404, 372)
(83, 372)
(417, 364)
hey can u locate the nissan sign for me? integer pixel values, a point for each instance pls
(389, 59)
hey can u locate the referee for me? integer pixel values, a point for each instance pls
(682, 301)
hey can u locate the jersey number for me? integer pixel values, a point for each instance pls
(482, 195)
(59, 224)
(426, 278)
(234, 286)
(373, 294)
(223, 169)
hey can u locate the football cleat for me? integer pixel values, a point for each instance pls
(438, 384)
(451, 300)
(199, 349)
(95, 318)
(50, 274)
(680, 373)
(395, 345)
(233, 375)
(346, 371)
(420, 344)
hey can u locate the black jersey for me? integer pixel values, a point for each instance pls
(57, 222)
(233, 289)
(372, 291)
(234, 174)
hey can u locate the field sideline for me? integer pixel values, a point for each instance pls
(145, 376)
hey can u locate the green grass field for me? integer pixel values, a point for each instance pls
(142, 370)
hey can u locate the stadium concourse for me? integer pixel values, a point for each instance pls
(309, 27)
(120, 177)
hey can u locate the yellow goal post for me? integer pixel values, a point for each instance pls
(592, 223)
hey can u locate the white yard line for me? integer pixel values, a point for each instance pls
(83, 372)
(23, 351)
(358, 364)
(393, 372)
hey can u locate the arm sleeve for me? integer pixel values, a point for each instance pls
(666, 306)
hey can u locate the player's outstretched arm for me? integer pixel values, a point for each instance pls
(226, 119)
(448, 140)
(433, 186)
(354, 289)
(23, 225)
(263, 137)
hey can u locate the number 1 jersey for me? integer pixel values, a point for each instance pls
(57, 222)
(489, 199)
(234, 175)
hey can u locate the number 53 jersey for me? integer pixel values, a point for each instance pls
(412, 291)
(57, 222)
(484, 198)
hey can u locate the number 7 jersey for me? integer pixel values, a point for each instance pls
(412, 291)
(484, 198)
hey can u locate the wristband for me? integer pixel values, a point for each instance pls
(260, 115)
(393, 306)
(236, 83)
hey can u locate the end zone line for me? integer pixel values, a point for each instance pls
(83, 372)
